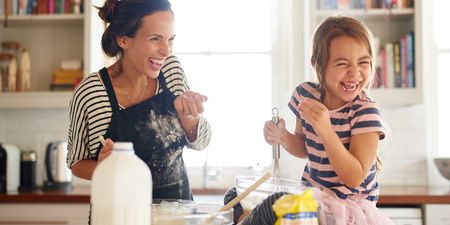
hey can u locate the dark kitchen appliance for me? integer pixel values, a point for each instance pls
(59, 177)
(27, 171)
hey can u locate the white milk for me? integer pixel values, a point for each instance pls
(121, 190)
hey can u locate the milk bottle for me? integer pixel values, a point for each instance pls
(121, 189)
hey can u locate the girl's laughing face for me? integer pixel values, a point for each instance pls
(347, 72)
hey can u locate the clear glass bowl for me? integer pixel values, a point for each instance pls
(177, 212)
(271, 186)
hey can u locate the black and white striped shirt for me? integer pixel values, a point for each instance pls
(90, 113)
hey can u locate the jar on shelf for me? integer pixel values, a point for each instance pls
(5, 61)
(12, 48)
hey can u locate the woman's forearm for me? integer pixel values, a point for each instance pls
(84, 168)
(190, 126)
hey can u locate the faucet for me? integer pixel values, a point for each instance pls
(210, 173)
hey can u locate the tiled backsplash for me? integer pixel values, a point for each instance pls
(404, 155)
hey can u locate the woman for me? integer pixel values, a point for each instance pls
(142, 98)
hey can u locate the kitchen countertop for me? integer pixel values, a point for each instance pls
(389, 196)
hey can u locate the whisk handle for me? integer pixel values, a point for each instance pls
(275, 148)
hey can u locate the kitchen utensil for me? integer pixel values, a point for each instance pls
(59, 177)
(276, 150)
(238, 198)
(27, 171)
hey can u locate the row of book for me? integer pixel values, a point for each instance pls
(30, 7)
(364, 4)
(65, 80)
(395, 67)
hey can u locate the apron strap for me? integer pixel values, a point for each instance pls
(110, 90)
(162, 82)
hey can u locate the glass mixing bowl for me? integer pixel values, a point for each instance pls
(185, 212)
(270, 186)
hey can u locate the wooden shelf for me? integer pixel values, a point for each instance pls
(370, 13)
(44, 99)
(396, 96)
(44, 19)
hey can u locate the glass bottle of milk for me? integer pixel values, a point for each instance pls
(121, 189)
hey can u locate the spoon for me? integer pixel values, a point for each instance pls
(238, 198)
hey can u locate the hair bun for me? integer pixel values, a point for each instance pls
(108, 10)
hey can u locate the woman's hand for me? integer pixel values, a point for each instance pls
(315, 113)
(273, 134)
(189, 105)
(106, 150)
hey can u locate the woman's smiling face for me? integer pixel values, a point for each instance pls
(347, 72)
(152, 43)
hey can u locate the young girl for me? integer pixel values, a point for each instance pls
(337, 128)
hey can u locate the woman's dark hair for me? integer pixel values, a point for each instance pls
(125, 18)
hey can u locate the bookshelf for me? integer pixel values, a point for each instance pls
(51, 38)
(389, 26)
(44, 20)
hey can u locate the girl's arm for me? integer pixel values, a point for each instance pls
(293, 143)
(353, 165)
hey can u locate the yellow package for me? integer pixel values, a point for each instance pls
(298, 209)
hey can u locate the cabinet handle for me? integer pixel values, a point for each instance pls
(33, 222)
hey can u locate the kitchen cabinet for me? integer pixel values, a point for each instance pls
(51, 38)
(437, 214)
(56, 214)
(404, 216)
(388, 25)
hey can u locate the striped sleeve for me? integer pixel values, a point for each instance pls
(305, 89)
(177, 83)
(367, 118)
(89, 114)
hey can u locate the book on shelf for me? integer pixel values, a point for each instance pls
(364, 4)
(32, 7)
(396, 61)
(64, 80)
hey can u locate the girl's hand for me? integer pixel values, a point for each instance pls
(315, 113)
(273, 134)
(106, 150)
(189, 105)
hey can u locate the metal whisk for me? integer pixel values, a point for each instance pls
(276, 152)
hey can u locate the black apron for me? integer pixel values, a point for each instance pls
(154, 129)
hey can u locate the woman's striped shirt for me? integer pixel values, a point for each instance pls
(356, 117)
(90, 113)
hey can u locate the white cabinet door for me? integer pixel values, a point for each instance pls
(437, 214)
(407, 221)
(51, 214)
(404, 216)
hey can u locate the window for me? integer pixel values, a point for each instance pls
(441, 38)
(225, 47)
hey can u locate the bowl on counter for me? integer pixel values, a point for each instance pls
(180, 212)
(443, 165)
(272, 185)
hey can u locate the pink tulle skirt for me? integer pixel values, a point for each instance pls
(351, 211)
